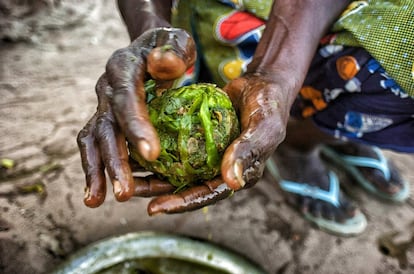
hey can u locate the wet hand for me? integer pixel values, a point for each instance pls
(122, 114)
(263, 110)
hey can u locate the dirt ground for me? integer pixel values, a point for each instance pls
(47, 95)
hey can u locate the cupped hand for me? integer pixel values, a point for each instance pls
(263, 109)
(162, 54)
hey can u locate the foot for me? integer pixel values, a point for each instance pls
(314, 191)
(368, 166)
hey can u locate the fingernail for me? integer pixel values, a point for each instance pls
(153, 211)
(238, 172)
(144, 149)
(122, 193)
(88, 200)
(117, 188)
(87, 193)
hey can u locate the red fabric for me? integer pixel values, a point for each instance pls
(237, 24)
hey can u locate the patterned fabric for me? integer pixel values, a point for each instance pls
(348, 91)
(226, 37)
(260, 8)
(349, 95)
(386, 30)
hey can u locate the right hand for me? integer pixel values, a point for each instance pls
(263, 110)
(122, 113)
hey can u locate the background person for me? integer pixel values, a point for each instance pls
(265, 54)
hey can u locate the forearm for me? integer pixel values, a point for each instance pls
(291, 37)
(141, 15)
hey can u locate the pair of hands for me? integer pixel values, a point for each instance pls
(122, 116)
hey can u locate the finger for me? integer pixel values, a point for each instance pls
(244, 160)
(148, 185)
(92, 165)
(178, 41)
(125, 72)
(151, 186)
(242, 163)
(174, 54)
(194, 198)
(263, 128)
(113, 148)
(115, 156)
(164, 64)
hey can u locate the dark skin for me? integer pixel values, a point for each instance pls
(262, 97)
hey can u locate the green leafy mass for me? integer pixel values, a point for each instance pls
(195, 125)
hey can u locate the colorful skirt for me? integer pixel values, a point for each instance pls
(346, 92)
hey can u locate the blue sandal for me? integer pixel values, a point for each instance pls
(350, 164)
(353, 226)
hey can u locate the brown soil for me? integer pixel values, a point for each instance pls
(47, 79)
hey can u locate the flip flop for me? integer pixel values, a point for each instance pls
(351, 227)
(350, 164)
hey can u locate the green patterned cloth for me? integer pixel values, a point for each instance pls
(386, 30)
(260, 8)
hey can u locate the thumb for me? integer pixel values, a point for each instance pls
(164, 64)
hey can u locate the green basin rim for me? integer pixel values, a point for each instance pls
(138, 245)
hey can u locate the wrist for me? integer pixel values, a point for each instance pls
(142, 15)
(292, 35)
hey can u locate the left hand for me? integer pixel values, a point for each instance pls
(163, 53)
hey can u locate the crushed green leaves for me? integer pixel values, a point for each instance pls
(195, 124)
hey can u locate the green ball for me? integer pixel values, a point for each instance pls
(195, 125)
